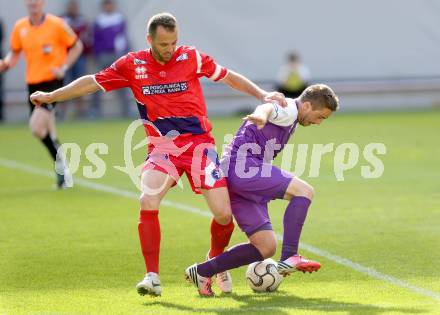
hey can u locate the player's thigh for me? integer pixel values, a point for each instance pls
(250, 216)
(219, 203)
(265, 241)
(39, 121)
(299, 188)
(154, 184)
(269, 182)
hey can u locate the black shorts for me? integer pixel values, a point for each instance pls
(47, 86)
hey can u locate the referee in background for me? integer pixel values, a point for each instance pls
(50, 48)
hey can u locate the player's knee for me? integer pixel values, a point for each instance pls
(223, 217)
(269, 249)
(308, 191)
(303, 189)
(266, 246)
(149, 202)
(269, 252)
(37, 132)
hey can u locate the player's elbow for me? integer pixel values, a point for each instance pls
(78, 47)
(266, 109)
(90, 84)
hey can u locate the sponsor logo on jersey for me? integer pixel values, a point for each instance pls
(139, 62)
(164, 88)
(216, 174)
(141, 73)
(47, 49)
(141, 76)
(140, 70)
(182, 57)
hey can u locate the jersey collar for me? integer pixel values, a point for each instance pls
(43, 18)
(172, 61)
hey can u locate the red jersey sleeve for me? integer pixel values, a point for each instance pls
(113, 77)
(207, 67)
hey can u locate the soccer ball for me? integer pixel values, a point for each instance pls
(263, 276)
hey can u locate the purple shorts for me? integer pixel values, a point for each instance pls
(250, 196)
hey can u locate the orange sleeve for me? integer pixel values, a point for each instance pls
(15, 42)
(67, 35)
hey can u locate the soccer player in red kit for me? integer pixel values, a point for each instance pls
(165, 83)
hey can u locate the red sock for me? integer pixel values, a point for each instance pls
(149, 235)
(220, 237)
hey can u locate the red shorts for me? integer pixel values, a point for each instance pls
(194, 155)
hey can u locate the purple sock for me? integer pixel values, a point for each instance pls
(293, 221)
(240, 255)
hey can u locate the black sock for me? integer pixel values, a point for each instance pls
(51, 145)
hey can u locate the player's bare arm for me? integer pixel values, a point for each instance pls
(9, 61)
(73, 54)
(82, 86)
(261, 115)
(243, 84)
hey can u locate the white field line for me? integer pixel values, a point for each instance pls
(317, 251)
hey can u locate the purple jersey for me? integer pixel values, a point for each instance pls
(264, 144)
(252, 179)
(109, 34)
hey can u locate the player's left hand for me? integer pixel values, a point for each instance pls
(60, 72)
(38, 98)
(257, 120)
(276, 96)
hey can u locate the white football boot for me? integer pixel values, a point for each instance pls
(150, 285)
(64, 177)
(223, 279)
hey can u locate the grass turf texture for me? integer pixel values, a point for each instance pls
(77, 251)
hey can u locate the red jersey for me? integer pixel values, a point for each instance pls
(169, 96)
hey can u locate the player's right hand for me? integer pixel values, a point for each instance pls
(3, 65)
(38, 98)
(257, 120)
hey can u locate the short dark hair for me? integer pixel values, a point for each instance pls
(164, 19)
(293, 56)
(320, 95)
(105, 2)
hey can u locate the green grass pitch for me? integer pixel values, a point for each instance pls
(77, 251)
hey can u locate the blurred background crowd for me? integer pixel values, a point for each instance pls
(377, 56)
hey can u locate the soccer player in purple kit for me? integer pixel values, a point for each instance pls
(260, 138)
